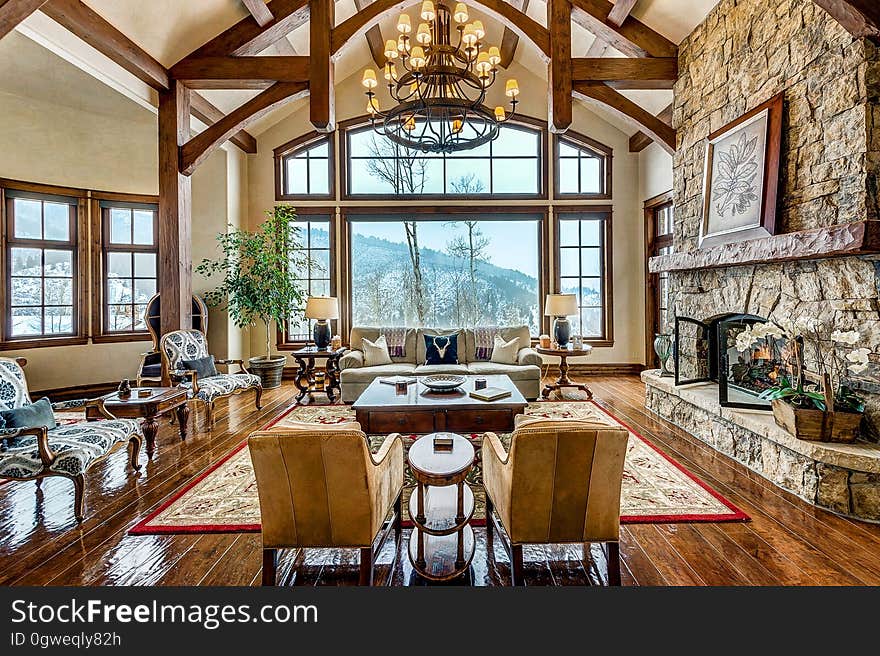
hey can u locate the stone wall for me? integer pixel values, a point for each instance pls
(744, 53)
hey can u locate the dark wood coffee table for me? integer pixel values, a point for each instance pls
(161, 401)
(380, 409)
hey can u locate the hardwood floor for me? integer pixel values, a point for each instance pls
(788, 542)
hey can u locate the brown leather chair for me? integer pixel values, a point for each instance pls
(320, 486)
(560, 482)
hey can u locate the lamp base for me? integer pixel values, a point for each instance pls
(561, 331)
(321, 334)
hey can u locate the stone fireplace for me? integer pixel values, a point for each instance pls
(824, 261)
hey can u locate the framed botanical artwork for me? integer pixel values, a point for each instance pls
(741, 177)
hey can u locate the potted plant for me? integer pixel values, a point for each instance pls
(823, 409)
(256, 285)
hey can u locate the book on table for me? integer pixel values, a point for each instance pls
(394, 380)
(490, 394)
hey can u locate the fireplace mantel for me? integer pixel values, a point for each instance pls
(848, 239)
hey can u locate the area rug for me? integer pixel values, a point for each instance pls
(656, 489)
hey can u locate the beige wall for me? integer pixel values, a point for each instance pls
(655, 172)
(628, 252)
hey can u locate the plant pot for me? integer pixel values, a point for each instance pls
(268, 369)
(816, 425)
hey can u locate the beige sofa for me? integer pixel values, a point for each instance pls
(355, 377)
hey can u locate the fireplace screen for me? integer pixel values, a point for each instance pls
(707, 351)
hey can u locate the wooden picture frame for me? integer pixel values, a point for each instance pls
(741, 177)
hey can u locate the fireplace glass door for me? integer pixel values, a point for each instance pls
(743, 376)
(691, 355)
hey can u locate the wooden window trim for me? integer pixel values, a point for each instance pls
(80, 258)
(305, 142)
(100, 247)
(539, 126)
(281, 341)
(607, 340)
(345, 310)
(583, 142)
(652, 244)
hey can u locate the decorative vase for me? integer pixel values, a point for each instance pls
(561, 331)
(816, 425)
(124, 389)
(321, 334)
(269, 370)
(663, 349)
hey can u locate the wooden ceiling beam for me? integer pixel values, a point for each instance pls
(621, 11)
(559, 24)
(626, 73)
(633, 38)
(861, 18)
(13, 12)
(509, 38)
(200, 147)
(240, 72)
(208, 114)
(89, 26)
(623, 106)
(259, 11)
(374, 37)
(247, 38)
(639, 141)
(322, 94)
(597, 48)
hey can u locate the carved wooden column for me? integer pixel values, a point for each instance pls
(322, 110)
(175, 211)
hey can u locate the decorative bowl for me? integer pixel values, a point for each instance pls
(443, 382)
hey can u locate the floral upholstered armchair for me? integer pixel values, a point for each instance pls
(187, 345)
(66, 450)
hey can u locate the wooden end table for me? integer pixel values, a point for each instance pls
(161, 401)
(305, 376)
(441, 545)
(564, 381)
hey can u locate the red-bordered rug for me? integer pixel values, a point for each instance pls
(656, 489)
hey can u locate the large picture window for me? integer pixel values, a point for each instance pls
(304, 168)
(584, 268)
(511, 166)
(41, 266)
(130, 254)
(453, 270)
(313, 233)
(583, 168)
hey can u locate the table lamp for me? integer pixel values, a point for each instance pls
(560, 306)
(322, 308)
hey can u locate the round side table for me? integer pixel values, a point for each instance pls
(564, 381)
(441, 545)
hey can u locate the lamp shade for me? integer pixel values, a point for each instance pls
(560, 305)
(322, 307)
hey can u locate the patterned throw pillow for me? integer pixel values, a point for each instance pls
(441, 349)
(376, 353)
(34, 415)
(505, 352)
(204, 367)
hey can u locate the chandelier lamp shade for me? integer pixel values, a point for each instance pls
(439, 87)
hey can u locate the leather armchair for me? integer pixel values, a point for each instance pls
(560, 482)
(320, 486)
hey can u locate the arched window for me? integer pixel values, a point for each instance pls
(583, 167)
(304, 168)
(510, 167)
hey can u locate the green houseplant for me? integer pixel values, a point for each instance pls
(255, 282)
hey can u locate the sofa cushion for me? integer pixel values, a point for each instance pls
(33, 415)
(468, 352)
(204, 367)
(372, 333)
(376, 353)
(505, 352)
(422, 353)
(367, 374)
(441, 349)
(515, 371)
(431, 369)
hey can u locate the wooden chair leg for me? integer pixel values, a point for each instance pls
(516, 564)
(258, 401)
(366, 577)
(209, 414)
(270, 566)
(79, 489)
(614, 563)
(39, 483)
(135, 446)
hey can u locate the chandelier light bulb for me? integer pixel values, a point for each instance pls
(403, 44)
(469, 38)
(391, 49)
(369, 79)
(410, 124)
(478, 29)
(499, 113)
(457, 125)
(390, 71)
(494, 56)
(423, 35)
(428, 12)
(403, 24)
(483, 64)
(371, 108)
(461, 13)
(511, 90)
(417, 57)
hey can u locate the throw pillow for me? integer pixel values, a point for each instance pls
(376, 353)
(30, 416)
(441, 349)
(204, 367)
(505, 352)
